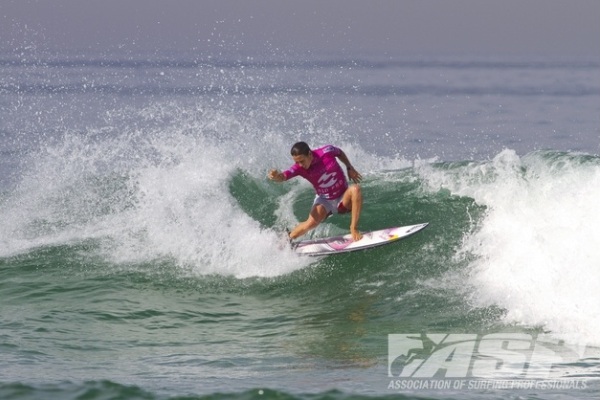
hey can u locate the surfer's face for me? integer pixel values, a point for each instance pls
(302, 160)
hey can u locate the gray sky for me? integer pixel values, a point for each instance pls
(561, 28)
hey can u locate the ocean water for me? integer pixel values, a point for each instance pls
(140, 240)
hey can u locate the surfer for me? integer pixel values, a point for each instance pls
(334, 196)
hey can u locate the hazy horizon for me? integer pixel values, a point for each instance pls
(550, 28)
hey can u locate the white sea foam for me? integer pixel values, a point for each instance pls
(537, 248)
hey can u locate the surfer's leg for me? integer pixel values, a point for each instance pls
(318, 213)
(352, 200)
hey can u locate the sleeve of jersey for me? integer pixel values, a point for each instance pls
(290, 172)
(331, 149)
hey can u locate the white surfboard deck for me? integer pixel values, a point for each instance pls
(344, 244)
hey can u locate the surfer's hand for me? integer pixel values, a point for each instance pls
(275, 175)
(356, 235)
(354, 175)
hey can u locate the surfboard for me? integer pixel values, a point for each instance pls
(345, 244)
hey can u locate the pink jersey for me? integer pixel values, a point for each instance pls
(324, 173)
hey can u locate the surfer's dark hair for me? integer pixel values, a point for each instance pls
(300, 149)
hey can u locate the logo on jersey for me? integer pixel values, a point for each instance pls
(327, 180)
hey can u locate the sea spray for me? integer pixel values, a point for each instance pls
(151, 189)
